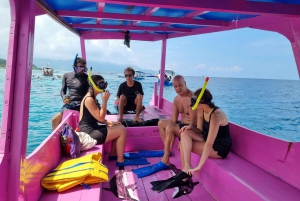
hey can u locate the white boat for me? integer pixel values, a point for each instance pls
(169, 75)
(139, 75)
(47, 71)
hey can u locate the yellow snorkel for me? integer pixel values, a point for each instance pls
(201, 94)
(92, 81)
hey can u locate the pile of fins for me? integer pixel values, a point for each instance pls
(181, 180)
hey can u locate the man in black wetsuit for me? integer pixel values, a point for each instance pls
(77, 84)
(130, 95)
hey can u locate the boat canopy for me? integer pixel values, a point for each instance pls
(152, 20)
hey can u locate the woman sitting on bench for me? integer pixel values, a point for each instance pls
(211, 137)
(91, 113)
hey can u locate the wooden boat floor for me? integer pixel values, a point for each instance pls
(143, 191)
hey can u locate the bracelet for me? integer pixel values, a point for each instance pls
(104, 101)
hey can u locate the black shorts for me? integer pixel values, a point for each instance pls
(98, 133)
(222, 146)
(130, 105)
(71, 106)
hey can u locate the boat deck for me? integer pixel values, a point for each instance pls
(143, 191)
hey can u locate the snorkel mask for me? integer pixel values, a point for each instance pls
(101, 85)
(79, 70)
(194, 102)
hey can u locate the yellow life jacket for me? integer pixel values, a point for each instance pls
(84, 170)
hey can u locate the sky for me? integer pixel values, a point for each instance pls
(243, 53)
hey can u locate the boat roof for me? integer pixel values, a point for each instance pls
(157, 19)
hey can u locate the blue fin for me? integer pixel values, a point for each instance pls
(148, 170)
(145, 154)
(127, 162)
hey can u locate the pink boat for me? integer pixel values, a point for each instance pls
(252, 171)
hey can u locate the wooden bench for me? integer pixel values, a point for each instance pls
(259, 167)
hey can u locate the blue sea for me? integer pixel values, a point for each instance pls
(271, 107)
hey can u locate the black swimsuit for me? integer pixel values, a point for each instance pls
(89, 125)
(222, 143)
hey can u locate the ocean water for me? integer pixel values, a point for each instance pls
(271, 107)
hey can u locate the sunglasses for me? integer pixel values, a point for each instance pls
(81, 69)
(102, 85)
(194, 100)
(128, 75)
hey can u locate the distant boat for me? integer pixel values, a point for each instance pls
(149, 75)
(47, 71)
(169, 75)
(120, 75)
(139, 75)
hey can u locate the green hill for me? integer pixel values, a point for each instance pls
(3, 65)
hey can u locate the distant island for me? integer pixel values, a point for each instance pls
(3, 65)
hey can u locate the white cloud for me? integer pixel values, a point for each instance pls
(226, 69)
(200, 66)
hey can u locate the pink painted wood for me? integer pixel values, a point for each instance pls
(251, 146)
(109, 35)
(162, 71)
(82, 47)
(129, 27)
(288, 170)
(14, 129)
(45, 158)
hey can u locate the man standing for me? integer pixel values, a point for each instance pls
(77, 84)
(169, 128)
(130, 95)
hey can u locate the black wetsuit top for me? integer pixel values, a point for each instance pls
(77, 84)
(223, 141)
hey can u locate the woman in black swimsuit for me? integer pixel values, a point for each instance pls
(211, 137)
(91, 113)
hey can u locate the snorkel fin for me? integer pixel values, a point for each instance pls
(93, 83)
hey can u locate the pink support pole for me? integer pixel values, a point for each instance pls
(82, 46)
(155, 93)
(162, 71)
(13, 139)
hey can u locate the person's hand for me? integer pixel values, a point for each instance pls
(111, 123)
(105, 96)
(66, 99)
(193, 171)
(189, 127)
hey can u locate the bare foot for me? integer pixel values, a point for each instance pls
(136, 119)
(120, 120)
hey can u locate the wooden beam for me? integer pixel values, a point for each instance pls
(127, 27)
(84, 14)
(233, 6)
